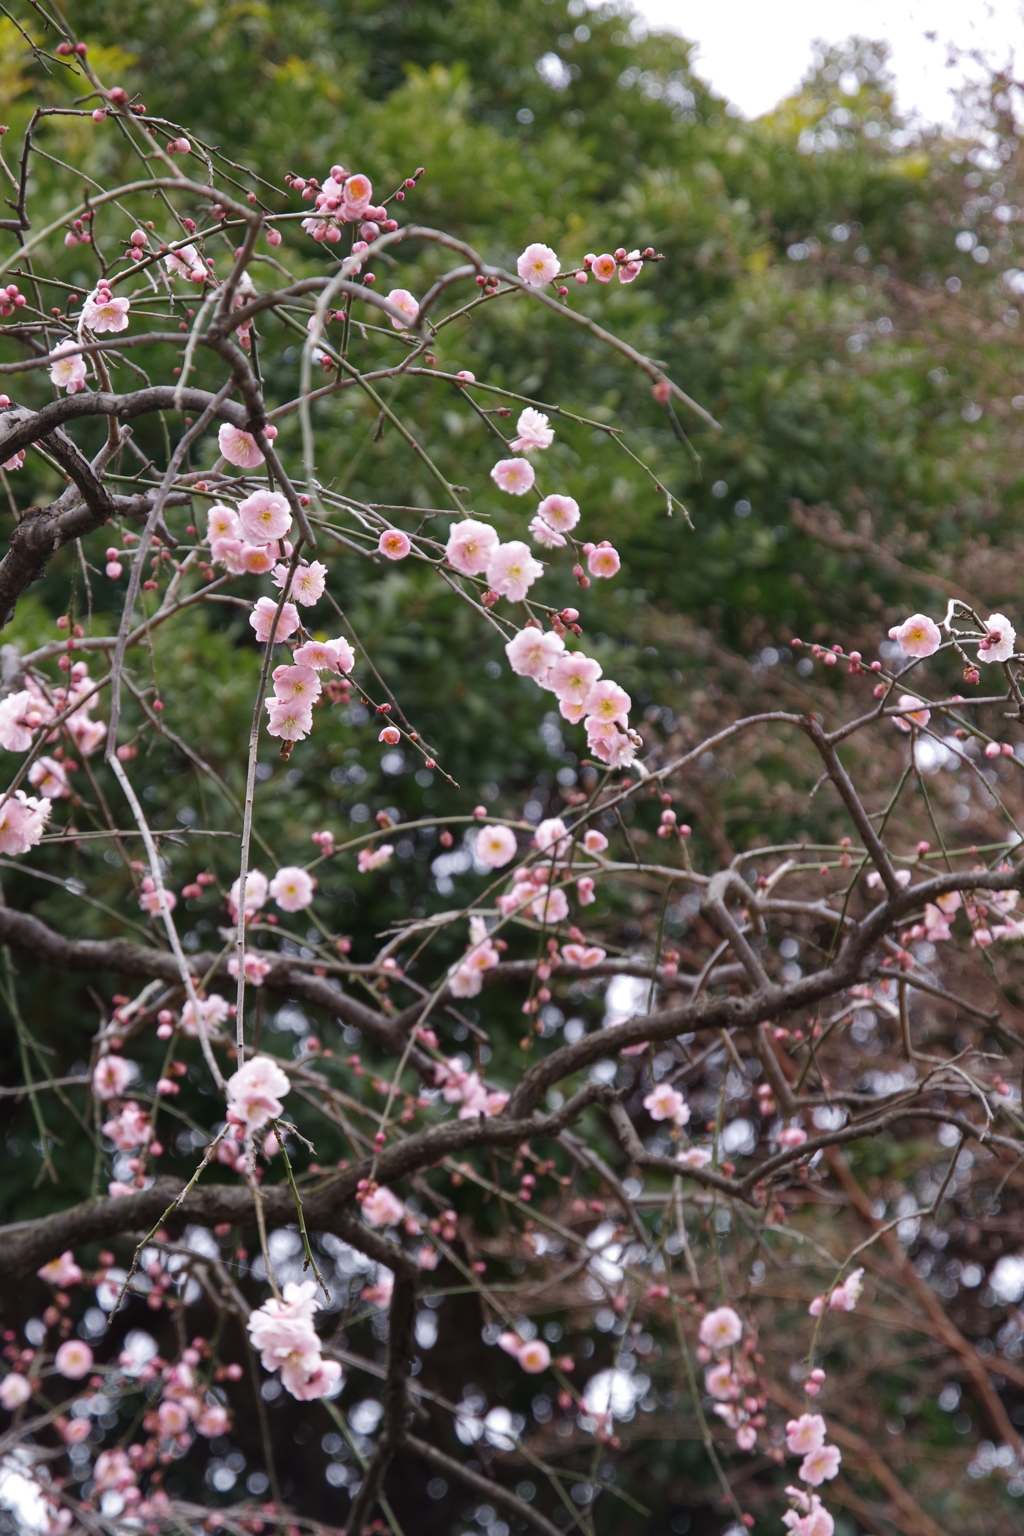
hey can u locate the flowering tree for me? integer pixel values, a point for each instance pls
(653, 1228)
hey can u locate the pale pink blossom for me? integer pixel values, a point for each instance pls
(221, 523)
(551, 835)
(20, 716)
(382, 1208)
(254, 1093)
(533, 652)
(807, 1433)
(694, 1157)
(307, 584)
(543, 534)
(228, 552)
(240, 447)
(402, 300)
(537, 265)
(113, 1470)
(584, 955)
(746, 1435)
(288, 720)
(256, 889)
(214, 1420)
(130, 1129)
(393, 544)
(603, 560)
(68, 372)
(73, 1359)
(522, 892)
(815, 1522)
(101, 312)
(186, 262)
(919, 716)
(721, 1328)
(532, 431)
(62, 1271)
(256, 559)
(171, 1418)
(495, 846)
(666, 1103)
(585, 891)
(264, 516)
(15, 1389)
(917, 636)
(561, 512)
(609, 703)
(282, 1329)
(998, 644)
(610, 744)
(50, 778)
(262, 617)
(373, 858)
(321, 655)
(428, 1258)
(212, 1012)
(604, 267)
(111, 1076)
(16, 460)
(356, 196)
(470, 546)
(573, 676)
(253, 964)
(292, 888)
(299, 685)
(845, 1297)
(154, 900)
(550, 907)
(936, 924)
(516, 476)
(534, 1356)
(720, 1383)
(379, 1294)
(791, 1136)
(512, 570)
(820, 1464)
(594, 841)
(307, 1378)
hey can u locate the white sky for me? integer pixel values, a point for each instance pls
(754, 53)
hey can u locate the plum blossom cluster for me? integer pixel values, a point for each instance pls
(582, 693)
(344, 197)
(283, 1332)
(26, 713)
(463, 1087)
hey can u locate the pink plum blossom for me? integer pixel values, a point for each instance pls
(393, 544)
(820, 1464)
(382, 1209)
(583, 955)
(791, 1136)
(550, 907)
(292, 888)
(543, 533)
(307, 584)
(73, 1359)
(186, 262)
(264, 516)
(111, 1076)
(917, 636)
(256, 559)
(603, 560)
(666, 1103)
(470, 546)
(533, 652)
(720, 1328)
(288, 720)
(537, 265)
(720, 1383)
(585, 891)
(512, 570)
(50, 778)
(307, 1378)
(604, 267)
(212, 1011)
(694, 1157)
(15, 1389)
(131, 1128)
(516, 476)
(573, 676)
(561, 512)
(534, 1356)
(298, 684)
(62, 1271)
(68, 372)
(262, 617)
(373, 858)
(402, 300)
(255, 967)
(254, 1093)
(594, 841)
(101, 312)
(551, 835)
(495, 846)
(324, 655)
(239, 447)
(998, 644)
(919, 716)
(256, 889)
(608, 703)
(532, 431)
(807, 1433)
